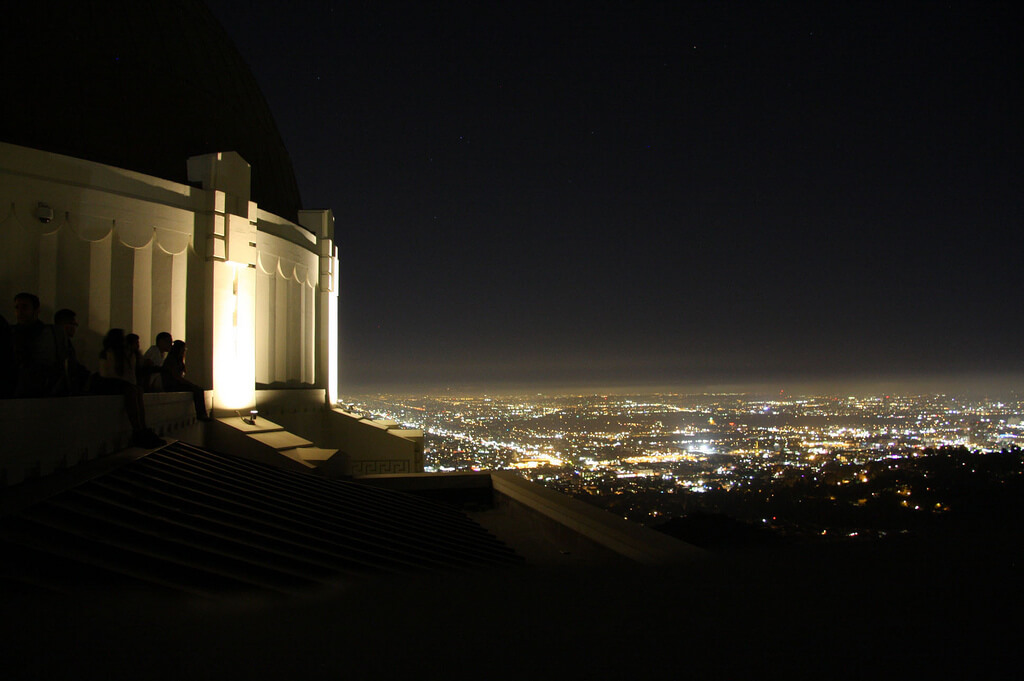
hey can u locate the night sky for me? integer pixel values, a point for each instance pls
(689, 195)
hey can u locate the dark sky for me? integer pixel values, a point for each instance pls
(689, 194)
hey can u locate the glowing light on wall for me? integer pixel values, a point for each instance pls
(234, 336)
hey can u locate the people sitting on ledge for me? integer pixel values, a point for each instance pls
(39, 360)
(173, 373)
(117, 377)
(153, 360)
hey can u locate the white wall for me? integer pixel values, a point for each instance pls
(243, 287)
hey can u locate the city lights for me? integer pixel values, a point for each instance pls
(738, 454)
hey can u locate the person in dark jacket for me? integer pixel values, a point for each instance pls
(173, 373)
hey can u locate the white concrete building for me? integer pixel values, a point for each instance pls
(144, 184)
(253, 294)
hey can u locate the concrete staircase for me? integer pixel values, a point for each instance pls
(285, 443)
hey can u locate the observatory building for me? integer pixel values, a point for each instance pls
(144, 185)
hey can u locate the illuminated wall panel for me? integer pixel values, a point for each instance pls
(142, 294)
(264, 325)
(100, 260)
(161, 296)
(308, 335)
(234, 323)
(280, 348)
(294, 334)
(254, 302)
(122, 277)
(179, 293)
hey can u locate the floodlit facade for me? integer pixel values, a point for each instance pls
(253, 294)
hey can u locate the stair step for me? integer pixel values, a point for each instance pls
(281, 440)
(314, 454)
(261, 426)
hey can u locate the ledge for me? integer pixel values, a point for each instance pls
(628, 539)
(44, 435)
(566, 525)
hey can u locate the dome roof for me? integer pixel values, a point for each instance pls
(138, 85)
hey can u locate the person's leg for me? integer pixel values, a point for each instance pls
(199, 398)
(140, 400)
(133, 407)
(198, 395)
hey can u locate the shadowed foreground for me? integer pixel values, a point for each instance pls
(899, 611)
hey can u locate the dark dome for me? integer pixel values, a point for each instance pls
(140, 85)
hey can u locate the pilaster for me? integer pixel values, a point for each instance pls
(321, 223)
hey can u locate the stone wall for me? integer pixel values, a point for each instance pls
(44, 435)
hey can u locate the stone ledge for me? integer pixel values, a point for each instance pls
(554, 518)
(631, 540)
(44, 435)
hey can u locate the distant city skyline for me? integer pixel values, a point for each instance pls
(700, 194)
(990, 386)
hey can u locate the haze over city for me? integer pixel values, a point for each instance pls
(694, 195)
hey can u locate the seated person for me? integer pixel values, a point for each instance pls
(117, 376)
(35, 350)
(173, 373)
(153, 360)
(74, 378)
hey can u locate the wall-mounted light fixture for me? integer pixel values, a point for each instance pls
(44, 213)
